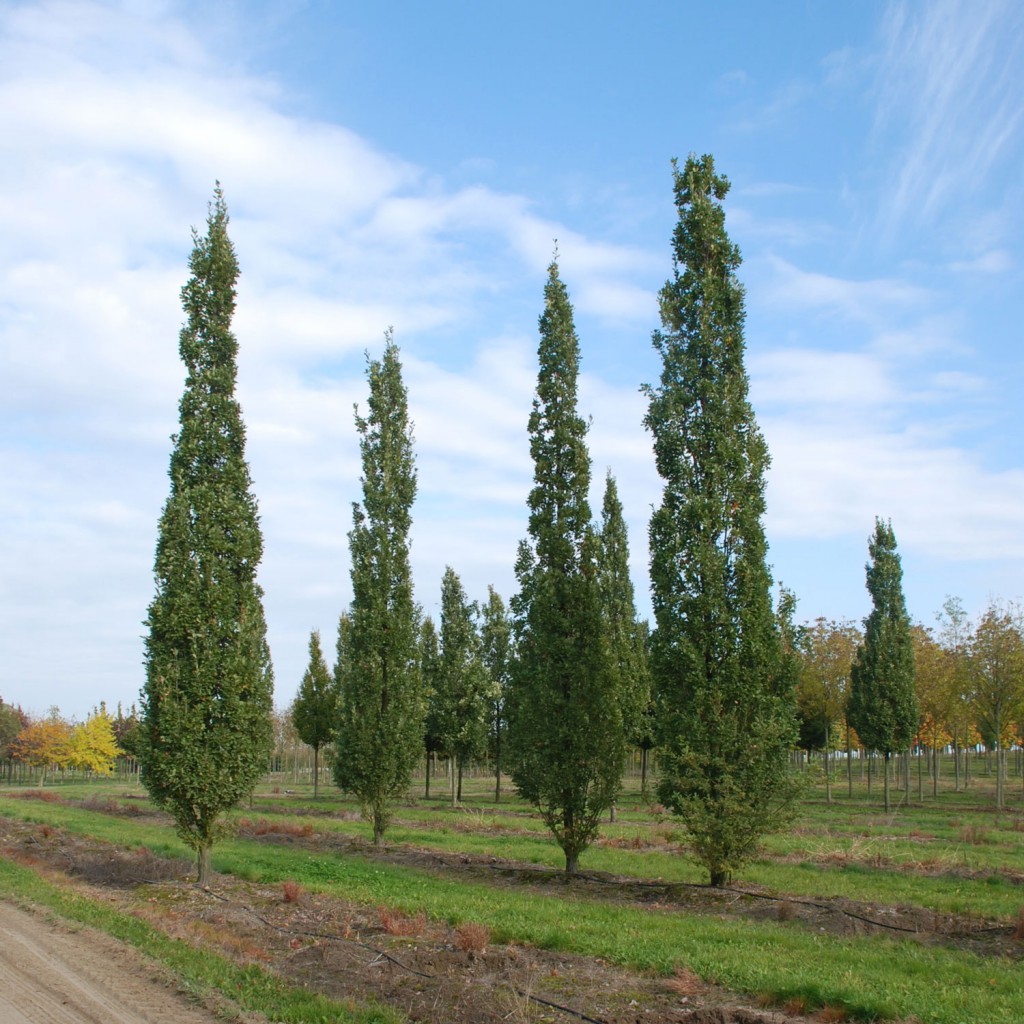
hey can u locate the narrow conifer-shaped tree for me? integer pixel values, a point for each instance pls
(498, 656)
(566, 744)
(380, 732)
(464, 688)
(725, 706)
(315, 710)
(430, 670)
(205, 732)
(883, 703)
(627, 635)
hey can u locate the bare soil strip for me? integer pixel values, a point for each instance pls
(51, 973)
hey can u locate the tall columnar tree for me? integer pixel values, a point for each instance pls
(380, 731)
(883, 705)
(627, 635)
(464, 689)
(566, 743)
(497, 652)
(726, 708)
(315, 709)
(430, 670)
(205, 732)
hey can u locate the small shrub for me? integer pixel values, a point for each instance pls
(974, 835)
(397, 922)
(471, 937)
(784, 911)
(291, 891)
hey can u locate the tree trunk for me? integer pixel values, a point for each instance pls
(451, 779)
(885, 772)
(316, 771)
(572, 863)
(426, 791)
(497, 767)
(378, 828)
(460, 782)
(203, 869)
(828, 780)
(643, 773)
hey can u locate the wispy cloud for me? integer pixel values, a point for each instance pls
(949, 84)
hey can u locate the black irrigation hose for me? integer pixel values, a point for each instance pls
(383, 954)
(667, 887)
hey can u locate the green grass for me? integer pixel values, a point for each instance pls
(249, 987)
(869, 977)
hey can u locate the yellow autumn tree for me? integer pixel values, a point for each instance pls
(93, 745)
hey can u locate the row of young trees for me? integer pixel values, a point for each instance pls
(91, 747)
(577, 679)
(966, 690)
(566, 668)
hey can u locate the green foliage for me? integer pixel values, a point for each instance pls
(430, 671)
(997, 663)
(380, 729)
(207, 699)
(627, 636)
(315, 709)
(463, 691)
(497, 652)
(12, 721)
(722, 677)
(883, 704)
(566, 737)
(826, 650)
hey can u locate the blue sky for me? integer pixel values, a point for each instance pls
(411, 165)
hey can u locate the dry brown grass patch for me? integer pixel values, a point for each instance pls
(831, 1015)
(265, 827)
(397, 922)
(685, 982)
(471, 937)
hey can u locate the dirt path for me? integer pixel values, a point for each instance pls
(52, 975)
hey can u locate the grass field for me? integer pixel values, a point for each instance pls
(935, 888)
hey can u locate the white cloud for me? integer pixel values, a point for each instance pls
(871, 302)
(995, 261)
